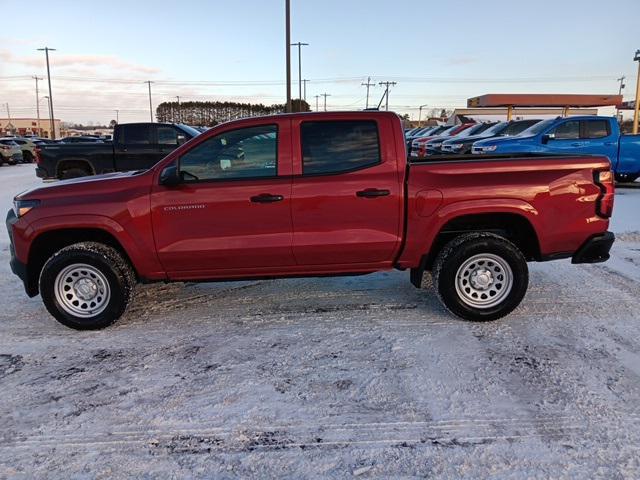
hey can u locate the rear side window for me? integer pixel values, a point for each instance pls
(338, 146)
(596, 129)
(567, 130)
(136, 135)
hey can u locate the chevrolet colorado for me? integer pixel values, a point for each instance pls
(309, 194)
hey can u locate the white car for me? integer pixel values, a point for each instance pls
(10, 151)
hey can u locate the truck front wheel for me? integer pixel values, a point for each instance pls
(87, 285)
(480, 276)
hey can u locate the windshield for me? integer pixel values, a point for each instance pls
(536, 128)
(471, 131)
(495, 129)
(447, 131)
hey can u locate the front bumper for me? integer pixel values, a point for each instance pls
(595, 249)
(17, 267)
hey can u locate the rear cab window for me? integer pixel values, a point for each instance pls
(339, 146)
(595, 128)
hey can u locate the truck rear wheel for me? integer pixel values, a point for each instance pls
(87, 285)
(480, 276)
(74, 172)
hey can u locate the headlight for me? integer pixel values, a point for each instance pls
(456, 146)
(489, 148)
(22, 207)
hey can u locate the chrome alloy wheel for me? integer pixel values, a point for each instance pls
(82, 290)
(484, 280)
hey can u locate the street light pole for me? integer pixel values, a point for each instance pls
(179, 111)
(117, 116)
(149, 82)
(420, 114)
(288, 53)
(304, 89)
(637, 106)
(36, 78)
(317, 97)
(46, 51)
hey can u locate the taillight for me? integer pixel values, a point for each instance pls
(5, 147)
(38, 158)
(604, 203)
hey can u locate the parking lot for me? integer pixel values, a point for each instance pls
(333, 377)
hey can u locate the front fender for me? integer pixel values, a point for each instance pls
(143, 258)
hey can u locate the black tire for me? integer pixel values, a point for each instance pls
(74, 172)
(626, 178)
(459, 251)
(107, 261)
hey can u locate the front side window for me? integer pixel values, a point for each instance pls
(567, 131)
(167, 136)
(243, 153)
(596, 128)
(338, 146)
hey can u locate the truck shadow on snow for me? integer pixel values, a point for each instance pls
(379, 292)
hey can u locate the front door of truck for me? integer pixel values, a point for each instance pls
(232, 210)
(135, 147)
(347, 192)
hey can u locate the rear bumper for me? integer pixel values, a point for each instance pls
(17, 267)
(595, 249)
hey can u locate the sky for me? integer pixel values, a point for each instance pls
(439, 53)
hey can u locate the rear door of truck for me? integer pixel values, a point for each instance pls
(347, 198)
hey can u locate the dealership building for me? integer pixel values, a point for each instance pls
(29, 126)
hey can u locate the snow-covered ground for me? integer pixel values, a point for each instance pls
(329, 378)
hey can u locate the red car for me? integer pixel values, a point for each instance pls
(419, 146)
(309, 194)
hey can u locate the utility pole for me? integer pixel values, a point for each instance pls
(386, 92)
(622, 85)
(636, 58)
(420, 114)
(317, 97)
(304, 88)
(46, 51)
(368, 84)
(36, 78)
(149, 82)
(325, 95)
(117, 116)
(299, 45)
(179, 111)
(8, 111)
(288, 59)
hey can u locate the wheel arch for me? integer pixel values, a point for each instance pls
(513, 226)
(73, 162)
(49, 242)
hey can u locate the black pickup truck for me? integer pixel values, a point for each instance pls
(135, 146)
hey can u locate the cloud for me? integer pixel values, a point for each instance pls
(60, 60)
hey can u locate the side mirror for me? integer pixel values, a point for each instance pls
(548, 136)
(181, 139)
(170, 177)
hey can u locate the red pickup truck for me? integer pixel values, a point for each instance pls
(309, 194)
